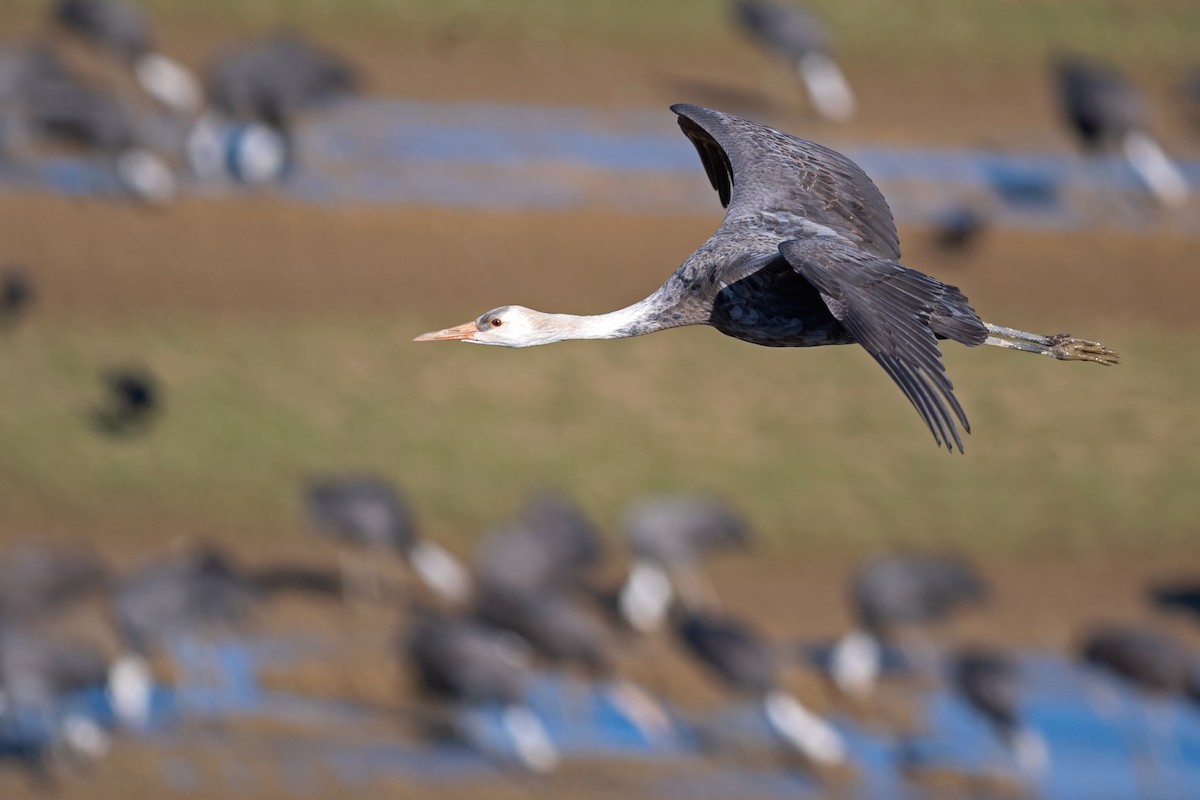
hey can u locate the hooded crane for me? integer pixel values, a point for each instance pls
(893, 592)
(42, 99)
(990, 681)
(367, 512)
(551, 547)
(38, 581)
(472, 666)
(806, 256)
(37, 673)
(668, 534)
(118, 29)
(1106, 113)
(734, 653)
(255, 91)
(525, 572)
(798, 37)
(1164, 671)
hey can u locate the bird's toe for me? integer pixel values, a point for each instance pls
(1067, 348)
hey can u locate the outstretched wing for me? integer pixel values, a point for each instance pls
(756, 169)
(887, 308)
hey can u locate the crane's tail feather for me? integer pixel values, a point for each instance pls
(1062, 346)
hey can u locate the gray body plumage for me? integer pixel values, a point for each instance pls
(464, 662)
(730, 650)
(676, 529)
(1148, 659)
(270, 79)
(188, 595)
(365, 511)
(38, 581)
(912, 589)
(1097, 102)
(991, 682)
(108, 24)
(789, 31)
(806, 256)
(550, 547)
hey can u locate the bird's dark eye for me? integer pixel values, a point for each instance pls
(495, 322)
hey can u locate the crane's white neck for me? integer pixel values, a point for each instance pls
(629, 321)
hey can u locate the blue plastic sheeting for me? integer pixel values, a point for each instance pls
(491, 155)
(1106, 741)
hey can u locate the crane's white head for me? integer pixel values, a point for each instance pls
(508, 326)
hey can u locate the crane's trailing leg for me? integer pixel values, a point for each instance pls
(1062, 346)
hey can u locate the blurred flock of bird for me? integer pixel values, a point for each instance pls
(536, 609)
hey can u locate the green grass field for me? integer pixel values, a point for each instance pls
(1152, 32)
(817, 445)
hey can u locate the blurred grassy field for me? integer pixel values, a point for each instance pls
(817, 445)
(1154, 32)
(281, 333)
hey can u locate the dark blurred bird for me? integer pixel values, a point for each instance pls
(1189, 95)
(798, 37)
(367, 512)
(472, 666)
(1108, 115)
(1148, 659)
(37, 581)
(1178, 595)
(133, 399)
(890, 594)
(256, 91)
(959, 228)
(118, 29)
(806, 256)
(564, 636)
(42, 100)
(16, 295)
(668, 536)
(734, 653)
(990, 681)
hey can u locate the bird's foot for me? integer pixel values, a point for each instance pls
(1065, 347)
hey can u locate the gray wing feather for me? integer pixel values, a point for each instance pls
(757, 169)
(887, 308)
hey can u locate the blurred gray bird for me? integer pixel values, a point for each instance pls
(551, 546)
(805, 257)
(1150, 660)
(367, 512)
(38, 581)
(668, 536)
(36, 673)
(732, 651)
(990, 681)
(256, 90)
(800, 38)
(41, 99)
(472, 666)
(1107, 115)
(563, 635)
(890, 594)
(118, 29)
(191, 595)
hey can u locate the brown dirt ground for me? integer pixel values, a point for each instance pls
(261, 256)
